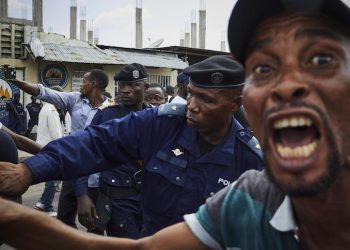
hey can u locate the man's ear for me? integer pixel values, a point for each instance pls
(236, 97)
(237, 103)
(146, 85)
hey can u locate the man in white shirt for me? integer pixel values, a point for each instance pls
(50, 127)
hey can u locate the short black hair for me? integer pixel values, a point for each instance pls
(169, 90)
(100, 77)
(156, 85)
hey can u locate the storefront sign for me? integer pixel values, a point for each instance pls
(7, 93)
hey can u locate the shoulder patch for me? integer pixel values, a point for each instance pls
(172, 109)
(247, 138)
(107, 105)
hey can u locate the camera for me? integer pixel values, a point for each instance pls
(8, 71)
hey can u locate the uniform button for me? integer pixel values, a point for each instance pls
(178, 178)
(156, 168)
(242, 133)
(127, 181)
(113, 181)
(121, 225)
(211, 193)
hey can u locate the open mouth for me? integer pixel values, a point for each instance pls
(295, 137)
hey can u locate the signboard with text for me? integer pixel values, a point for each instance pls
(77, 80)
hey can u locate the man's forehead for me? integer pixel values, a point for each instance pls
(154, 90)
(212, 92)
(297, 25)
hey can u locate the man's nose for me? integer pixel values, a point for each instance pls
(125, 92)
(290, 90)
(192, 105)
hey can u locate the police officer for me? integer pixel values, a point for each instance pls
(33, 110)
(187, 154)
(16, 115)
(119, 187)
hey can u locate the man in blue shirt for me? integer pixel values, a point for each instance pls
(187, 154)
(82, 106)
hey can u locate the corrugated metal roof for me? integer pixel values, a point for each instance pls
(148, 58)
(57, 48)
(67, 53)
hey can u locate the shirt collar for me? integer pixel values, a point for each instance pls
(283, 220)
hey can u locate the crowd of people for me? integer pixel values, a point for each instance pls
(181, 172)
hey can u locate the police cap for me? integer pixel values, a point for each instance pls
(134, 72)
(247, 14)
(182, 78)
(216, 72)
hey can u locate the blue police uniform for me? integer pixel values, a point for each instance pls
(33, 110)
(16, 115)
(119, 185)
(176, 177)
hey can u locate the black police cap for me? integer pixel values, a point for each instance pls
(134, 72)
(247, 14)
(216, 72)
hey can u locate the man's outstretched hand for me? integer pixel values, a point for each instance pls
(15, 179)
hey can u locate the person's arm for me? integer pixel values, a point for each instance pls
(86, 212)
(23, 143)
(38, 232)
(85, 207)
(93, 150)
(60, 99)
(29, 88)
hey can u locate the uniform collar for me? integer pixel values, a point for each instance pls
(220, 155)
(283, 220)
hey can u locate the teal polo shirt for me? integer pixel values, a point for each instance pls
(251, 214)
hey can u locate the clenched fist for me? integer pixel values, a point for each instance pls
(15, 179)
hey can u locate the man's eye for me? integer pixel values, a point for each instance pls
(262, 69)
(321, 59)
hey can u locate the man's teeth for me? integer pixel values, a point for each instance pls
(295, 121)
(302, 151)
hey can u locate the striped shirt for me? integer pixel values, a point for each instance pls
(251, 214)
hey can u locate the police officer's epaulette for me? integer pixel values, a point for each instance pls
(170, 109)
(107, 105)
(247, 138)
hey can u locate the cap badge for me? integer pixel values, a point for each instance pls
(177, 152)
(136, 74)
(217, 78)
